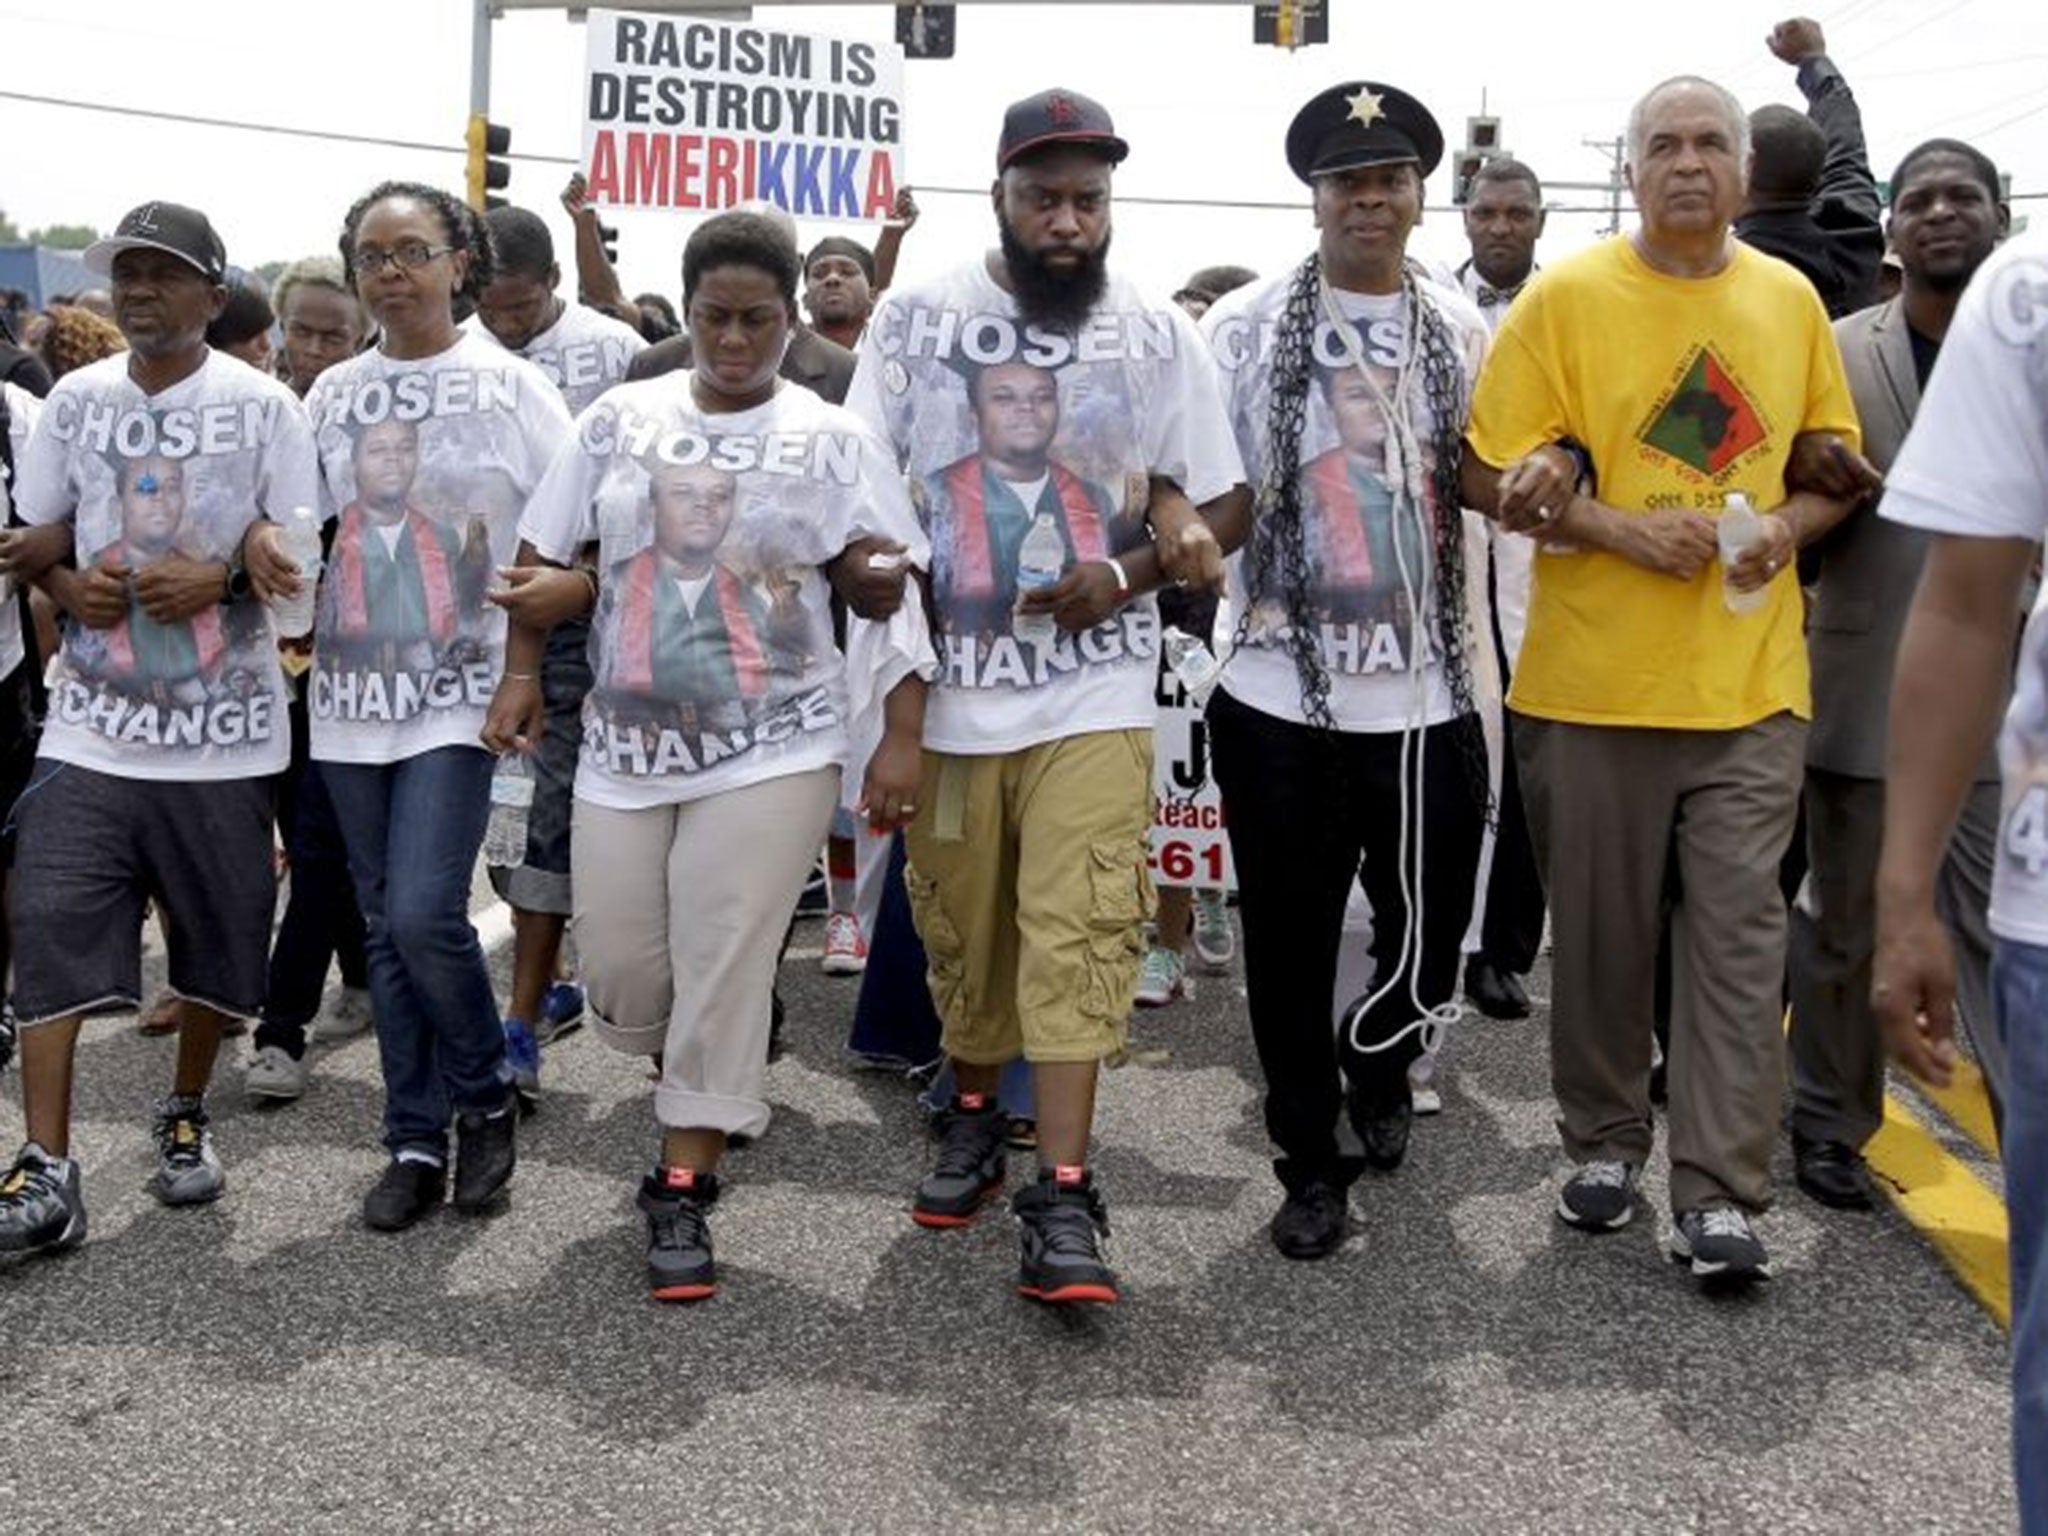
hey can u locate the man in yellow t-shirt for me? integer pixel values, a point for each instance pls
(1657, 726)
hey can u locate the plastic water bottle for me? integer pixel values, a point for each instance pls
(1193, 665)
(511, 806)
(1041, 559)
(294, 615)
(1737, 529)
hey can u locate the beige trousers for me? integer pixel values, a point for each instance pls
(1612, 809)
(680, 912)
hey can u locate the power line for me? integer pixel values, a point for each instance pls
(274, 128)
(2018, 117)
(1919, 26)
(1261, 204)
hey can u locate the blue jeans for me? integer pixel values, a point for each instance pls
(413, 830)
(2019, 982)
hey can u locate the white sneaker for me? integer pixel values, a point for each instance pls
(272, 1074)
(1162, 979)
(1423, 1095)
(846, 952)
(350, 1016)
(1215, 939)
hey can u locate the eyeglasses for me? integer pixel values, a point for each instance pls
(409, 257)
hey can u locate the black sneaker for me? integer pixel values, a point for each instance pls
(1600, 1196)
(485, 1153)
(1832, 1172)
(971, 1166)
(1062, 1221)
(678, 1204)
(406, 1191)
(42, 1208)
(1313, 1220)
(1494, 991)
(1382, 1114)
(1720, 1245)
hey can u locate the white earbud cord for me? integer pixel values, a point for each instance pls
(1405, 480)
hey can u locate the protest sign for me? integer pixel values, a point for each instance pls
(1190, 840)
(699, 115)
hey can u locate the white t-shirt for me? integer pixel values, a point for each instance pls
(22, 410)
(1095, 416)
(1976, 462)
(445, 451)
(584, 353)
(140, 477)
(1514, 554)
(712, 646)
(1365, 581)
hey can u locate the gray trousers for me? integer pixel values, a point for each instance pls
(1837, 1047)
(1609, 807)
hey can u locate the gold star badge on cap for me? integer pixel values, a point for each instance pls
(1365, 107)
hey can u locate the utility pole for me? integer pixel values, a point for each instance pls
(1616, 150)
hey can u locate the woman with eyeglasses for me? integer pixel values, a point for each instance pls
(429, 446)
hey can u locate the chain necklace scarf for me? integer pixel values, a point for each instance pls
(1277, 562)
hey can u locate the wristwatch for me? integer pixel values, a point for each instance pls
(235, 587)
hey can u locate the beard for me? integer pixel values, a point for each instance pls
(1058, 301)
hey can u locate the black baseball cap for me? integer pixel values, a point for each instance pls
(1362, 123)
(184, 232)
(1058, 116)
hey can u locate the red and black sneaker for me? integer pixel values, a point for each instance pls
(971, 1166)
(678, 1204)
(1062, 1220)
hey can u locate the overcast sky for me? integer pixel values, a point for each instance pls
(1205, 109)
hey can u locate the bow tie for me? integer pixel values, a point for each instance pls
(1493, 298)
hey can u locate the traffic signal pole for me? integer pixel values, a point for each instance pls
(480, 59)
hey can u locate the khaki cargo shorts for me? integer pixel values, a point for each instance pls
(1027, 877)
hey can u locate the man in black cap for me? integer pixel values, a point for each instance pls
(138, 798)
(1345, 732)
(1027, 859)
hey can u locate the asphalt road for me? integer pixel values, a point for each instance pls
(1465, 1364)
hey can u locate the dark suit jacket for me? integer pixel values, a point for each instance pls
(1868, 567)
(822, 366)
(1838, 240)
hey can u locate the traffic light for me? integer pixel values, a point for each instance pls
(1482, 143)
(1466, 167)
(925, 31)
(1290, 24)
(486, 175)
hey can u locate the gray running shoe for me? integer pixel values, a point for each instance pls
(187, 1172)
(1599, 1197)
(1720, 1245)
(41, 1207)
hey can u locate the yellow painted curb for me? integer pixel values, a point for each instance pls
(1967, 1102)
(1939, 1194)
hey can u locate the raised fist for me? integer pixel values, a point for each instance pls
(1797, 40)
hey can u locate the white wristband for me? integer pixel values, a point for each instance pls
(1123, 577)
